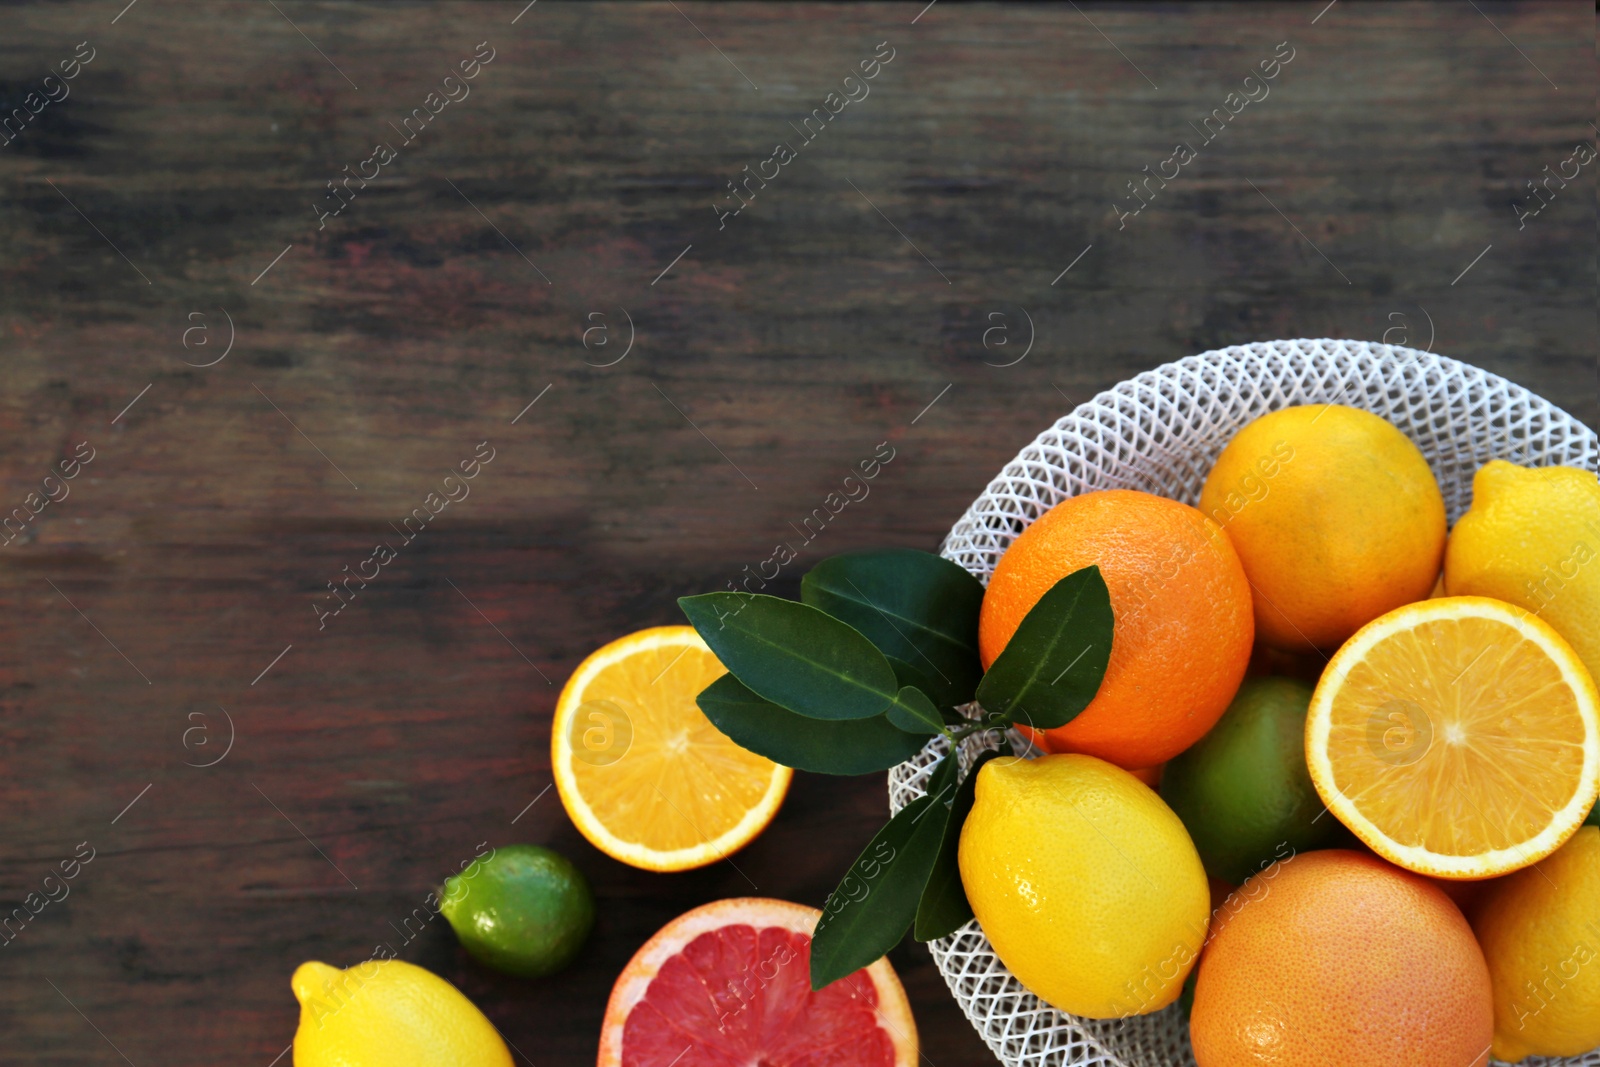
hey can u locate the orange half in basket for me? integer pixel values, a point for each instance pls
(1458, 737)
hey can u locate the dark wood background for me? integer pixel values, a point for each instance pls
(809, 330)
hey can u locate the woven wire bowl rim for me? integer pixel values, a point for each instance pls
(1160, 432)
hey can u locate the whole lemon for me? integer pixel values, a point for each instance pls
(1532, 538)
(1086, 884)
(389, 1013)
(1540, 931)
(1336, 517)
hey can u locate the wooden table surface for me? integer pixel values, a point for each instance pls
(171, 191)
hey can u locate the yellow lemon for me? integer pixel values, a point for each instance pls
(389, 1013)
(1540, 932)
(1085, 883)
(1532, 538)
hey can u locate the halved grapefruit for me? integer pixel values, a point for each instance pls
(728, 985)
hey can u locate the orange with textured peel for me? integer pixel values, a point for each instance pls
(1184, 621)
(1336, 515)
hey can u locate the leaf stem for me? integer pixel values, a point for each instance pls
(988, 722)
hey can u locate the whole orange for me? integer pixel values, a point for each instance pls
(1340, 957)
(1183, 618)
(1336, 515)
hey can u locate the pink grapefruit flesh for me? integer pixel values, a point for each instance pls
(728, 985)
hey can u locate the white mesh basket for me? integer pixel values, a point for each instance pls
(1160, 432)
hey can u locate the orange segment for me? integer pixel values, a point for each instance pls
(642, 772)
(1458, 737)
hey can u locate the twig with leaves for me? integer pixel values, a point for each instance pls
(879, 655)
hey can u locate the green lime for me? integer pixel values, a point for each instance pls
(524, 910)
(1243, 790)
(1594, 816)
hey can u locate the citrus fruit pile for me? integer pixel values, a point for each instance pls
(1300, 762)
(1451, 737)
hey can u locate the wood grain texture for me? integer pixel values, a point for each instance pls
(419, 322)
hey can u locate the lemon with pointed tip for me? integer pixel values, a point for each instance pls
(1532, 538)
(1085, 882)
(389, 1013)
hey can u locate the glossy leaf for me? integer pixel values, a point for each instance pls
(794, 655)
(943, 907)
(913, 712)
(846, 746)
(909, 674)
(1054, 663)
(874, 905)
(914, 606)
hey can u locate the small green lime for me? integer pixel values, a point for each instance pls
(1243, 790)
(524, 910)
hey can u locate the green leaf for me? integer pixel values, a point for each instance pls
(913, 712)
(848, 746)
(794, 655)
(873, 906)
(914, 606)
(1053, 665)
(1594, 816)
(907, 674)
(943, 907)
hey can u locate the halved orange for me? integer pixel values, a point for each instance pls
(642, 772)
(729, 984)
(1458, 737)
